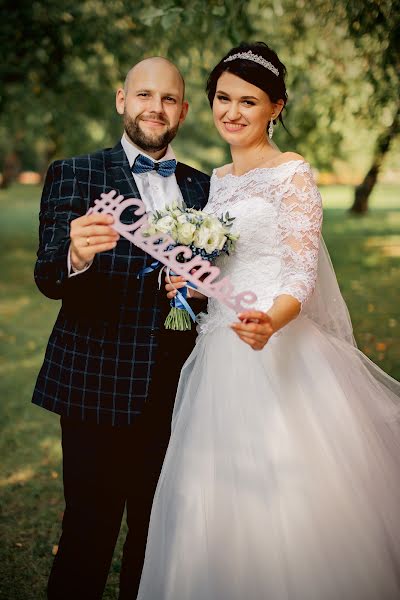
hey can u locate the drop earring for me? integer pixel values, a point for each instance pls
(271, 128)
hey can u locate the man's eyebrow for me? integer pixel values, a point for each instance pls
(138, 91)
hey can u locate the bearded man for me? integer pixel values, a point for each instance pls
(110, 369)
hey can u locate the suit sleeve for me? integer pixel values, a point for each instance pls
(61, 202)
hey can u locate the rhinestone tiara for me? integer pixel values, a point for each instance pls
(249, 55)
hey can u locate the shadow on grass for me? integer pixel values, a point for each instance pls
(366, 255)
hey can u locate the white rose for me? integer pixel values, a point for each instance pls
(212, 243)
(166, 224)
(216, 227)
(185, 233)
(201, 237)
(210, 220)
(174, 208)
(150, 230)
(182, 218)
(217, 233)
(177, 212)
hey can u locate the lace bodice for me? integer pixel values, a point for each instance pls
(278, 214)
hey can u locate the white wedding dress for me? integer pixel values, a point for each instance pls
(282, 476)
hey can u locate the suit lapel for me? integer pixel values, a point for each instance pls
(119, 174)
(187, 187)
(119, 177)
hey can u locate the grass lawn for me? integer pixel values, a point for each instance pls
(366, 255)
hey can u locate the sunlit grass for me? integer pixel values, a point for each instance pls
(384, 195)
(366, 255)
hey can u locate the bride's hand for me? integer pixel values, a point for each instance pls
(172, 283)
(255, 328)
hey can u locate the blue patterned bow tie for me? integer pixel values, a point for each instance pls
(143, 164)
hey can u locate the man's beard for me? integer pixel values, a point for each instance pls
(148, 143)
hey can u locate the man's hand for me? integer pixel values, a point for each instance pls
(255, 328)
(89, 236)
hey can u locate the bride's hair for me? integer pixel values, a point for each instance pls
(252, 71)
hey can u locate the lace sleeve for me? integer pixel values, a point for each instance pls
(299, 229)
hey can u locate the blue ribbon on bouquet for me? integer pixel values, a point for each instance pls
(147, 270)
(180, 299)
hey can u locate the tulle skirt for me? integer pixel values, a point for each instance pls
(282, 476)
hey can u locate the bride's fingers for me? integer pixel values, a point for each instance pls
(255, 316)
(172, 290)
(172, 287)
(176, 284)
(174, 279)
(252, 337)
(255, 344)
(171, 294)
(259, 329)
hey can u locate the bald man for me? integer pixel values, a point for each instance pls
(110, 369)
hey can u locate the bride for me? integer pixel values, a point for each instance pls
(282, 476)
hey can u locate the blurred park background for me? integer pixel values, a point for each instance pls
(61, 64)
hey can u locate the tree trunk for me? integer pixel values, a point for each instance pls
(53, 146)
(11, 169)
(364, 189)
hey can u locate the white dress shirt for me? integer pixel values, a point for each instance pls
(155, 191)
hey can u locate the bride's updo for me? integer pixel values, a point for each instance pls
(270, 78)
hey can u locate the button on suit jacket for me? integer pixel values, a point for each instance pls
(102, 351)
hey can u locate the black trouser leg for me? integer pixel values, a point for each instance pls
(95, 489)
(155, 429)
(154, 436)
(138, 516)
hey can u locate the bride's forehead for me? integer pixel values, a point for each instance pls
(230, 83)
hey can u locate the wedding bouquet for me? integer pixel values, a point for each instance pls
(206, 236)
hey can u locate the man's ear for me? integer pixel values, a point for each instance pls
(184, 111)
(120, 101)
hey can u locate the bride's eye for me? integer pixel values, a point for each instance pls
(222, 98)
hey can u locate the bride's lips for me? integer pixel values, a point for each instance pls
(233, 127)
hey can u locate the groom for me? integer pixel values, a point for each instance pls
(110, 369)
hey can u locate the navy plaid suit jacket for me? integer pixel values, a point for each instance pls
(101, 353)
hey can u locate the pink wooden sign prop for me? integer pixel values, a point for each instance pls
(204, 275)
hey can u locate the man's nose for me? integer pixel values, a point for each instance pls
(156, 104)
